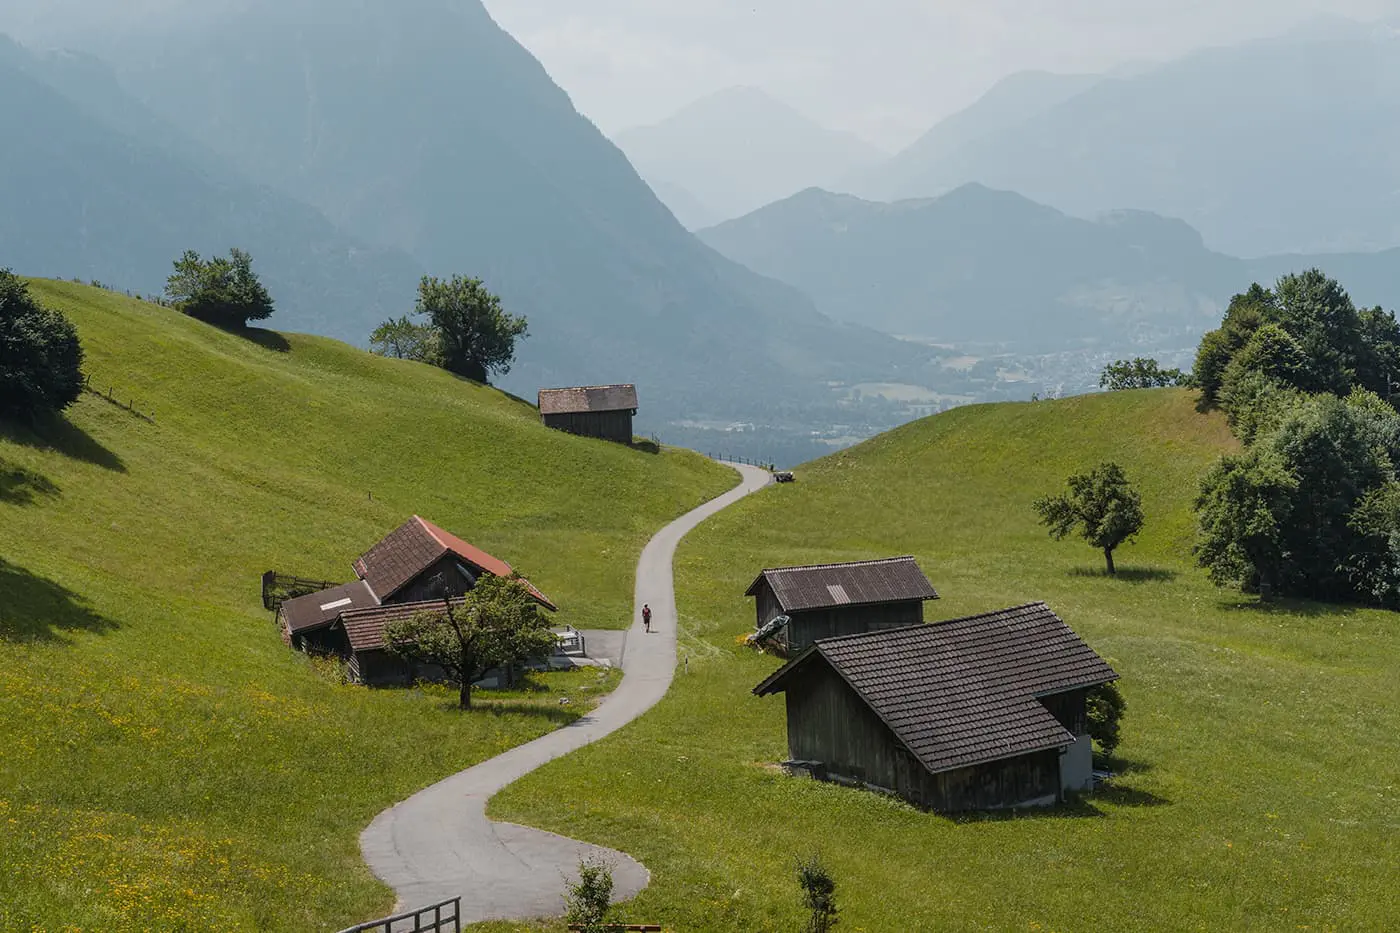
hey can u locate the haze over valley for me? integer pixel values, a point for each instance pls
(839, 279)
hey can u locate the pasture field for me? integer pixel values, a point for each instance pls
(1259, 775)
(167, 763)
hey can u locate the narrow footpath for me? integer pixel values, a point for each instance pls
(438, 844)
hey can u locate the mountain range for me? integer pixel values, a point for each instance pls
(422, 134)
(95, 186)
(1279, 145)
(736, 150)
(993, 267)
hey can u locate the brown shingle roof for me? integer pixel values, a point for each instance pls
(964, 692)
(821, 586)
(316, 610)
(588, 398)
(415, 546)
(365, 627)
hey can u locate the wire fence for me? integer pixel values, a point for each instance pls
(111, 396)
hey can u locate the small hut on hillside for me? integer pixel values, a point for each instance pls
(412, 569)
(978, 713)
(795, 606)
(593, 411)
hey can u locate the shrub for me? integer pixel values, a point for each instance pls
(40, 357)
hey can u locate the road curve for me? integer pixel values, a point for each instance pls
(438, 844)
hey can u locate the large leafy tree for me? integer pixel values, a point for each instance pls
(1306, 510)
(1139, 373)
(497, 623)
(1100, 505)
(476, 336)
(40, 357)
(223, 291)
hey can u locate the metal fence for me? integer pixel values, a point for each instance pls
(748, 461)
(277, 588)
(435, 918)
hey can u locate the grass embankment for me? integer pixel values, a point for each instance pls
(167, 762)
(1260, 786)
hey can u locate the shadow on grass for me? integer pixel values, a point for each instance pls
(59, 434)
(1078, 807)
(33, 609)
(1129, 574)
(19, 486)
(560, 715)
(268, 339)
(1289, 607)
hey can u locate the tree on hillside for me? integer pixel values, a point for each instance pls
(405, 339)
(476, 336)
(1101, 505)
(223, 291)
(1139, 373)
(40, 357)
(1305, 333)
(1305, 510)
(497, 623)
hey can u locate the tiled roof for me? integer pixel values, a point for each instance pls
(317, 610)
(821, 586)
(964, 692)
(415, 546)
(588, 398)
(365, 627)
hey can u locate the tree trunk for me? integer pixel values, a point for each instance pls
(1108, 558)
(465, 696)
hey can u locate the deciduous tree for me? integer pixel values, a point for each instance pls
(497, 623)
(1100, 504)
(223, 291)
(476, 336)
(1139, 373)
(40, 357)
(405, 339)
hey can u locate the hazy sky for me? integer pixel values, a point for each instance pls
(884, 68)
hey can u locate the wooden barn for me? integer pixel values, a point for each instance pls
(413, 569)
(795, 606)
(592, 411)
(980, 713)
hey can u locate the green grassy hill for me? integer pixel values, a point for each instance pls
(1258, 788)
(167, 762)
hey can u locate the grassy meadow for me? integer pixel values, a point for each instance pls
(167, 763)
(1259, 775)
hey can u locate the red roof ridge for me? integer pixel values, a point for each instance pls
(490, 563)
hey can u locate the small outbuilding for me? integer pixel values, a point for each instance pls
(411, 570)
(984, 712)
(593, 411)
(795, 606)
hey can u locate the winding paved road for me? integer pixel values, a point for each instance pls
(438, 844)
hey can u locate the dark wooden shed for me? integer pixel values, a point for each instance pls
(593, 411)
(984, 712)
(306, 621)
(795, 606)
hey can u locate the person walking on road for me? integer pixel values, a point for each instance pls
(646, 617)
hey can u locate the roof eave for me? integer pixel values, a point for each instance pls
(770, 684)
(1064, 743)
